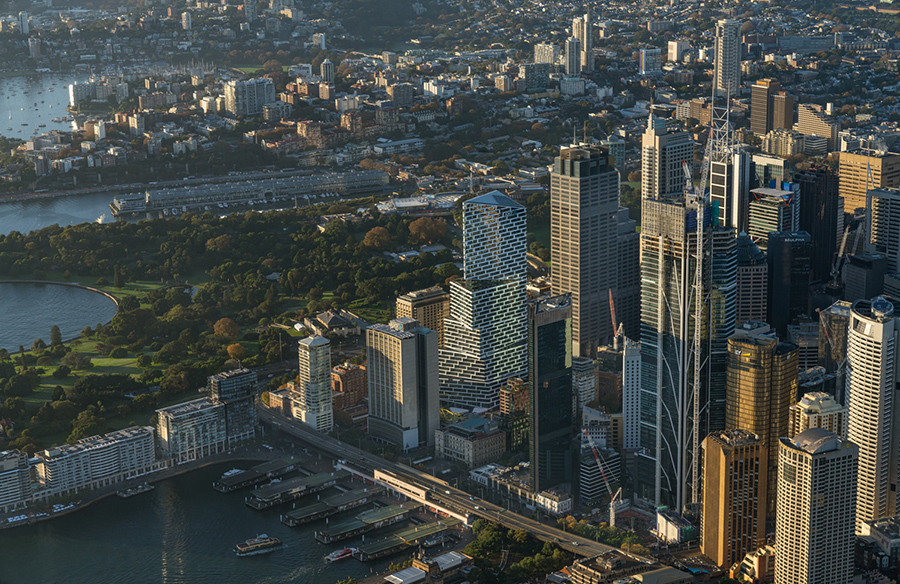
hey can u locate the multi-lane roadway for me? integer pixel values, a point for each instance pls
(438, 491)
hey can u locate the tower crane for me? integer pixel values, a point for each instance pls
(615, 499)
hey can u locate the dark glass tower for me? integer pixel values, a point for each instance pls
(819, 203)
(789, 257)
(552, 415)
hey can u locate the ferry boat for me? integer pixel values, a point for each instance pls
(339, 555)
(261, 544)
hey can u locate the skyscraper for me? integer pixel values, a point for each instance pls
(761, 94)
(752, 282)
(583, 31)
(671, 425)
(631, 395)
(789, 255)
(313, 395)
(818, 410)
(772, 210)
(729, 188)
(546, 53)
(820, 216)
(326, 71)
(429, 306)
(402, 371)
(834, 323)
(236, 391)
(584, 203)
(573, 56)
(864, 170)
(24, 24)
(761, 387)
(734, 496)
(874, 418)
(728, 57)
(651, 61)
(186, 20)
(663, 154)
(628, 277)
(551, 413)
(884, 228)
(816, 497)
(247, 98)
(487, 329)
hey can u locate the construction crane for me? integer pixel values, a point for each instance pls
(839, 258)
(615, 499)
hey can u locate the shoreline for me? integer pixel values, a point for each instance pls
(152, 478)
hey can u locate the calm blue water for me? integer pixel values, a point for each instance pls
(29, 311)
(182, 532)
(18, 96)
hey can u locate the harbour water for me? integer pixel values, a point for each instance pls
(18, 95)
(181, 532)
(27, 216)
(30, 311)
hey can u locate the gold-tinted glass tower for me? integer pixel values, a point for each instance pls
(760, 388)
(735, 464)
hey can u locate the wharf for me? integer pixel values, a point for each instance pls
(254, 476)
(330, 505)
(403, 539)
(290, 489)
(364, 523)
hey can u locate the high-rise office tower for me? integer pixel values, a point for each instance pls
(583, 31)
(864, 276)
(761, 387)
(245, 98)
(761, 94)
(631, 395)
(186, 20)
(628, 277)
(735, 466)
(314, 404)
(546, 53)
(584, 203)
(834, 323)
(874, 407)
(326, 71)
(820, 217)
(884, 226)
(663, 154)
(789, 254)
(782, 110)
(552, 419)
(402, 372)
(671, 426)
(429, 306)
(816, 497)
(24, 24)
(772, 210)
(728, 57)
(236, 390)
(573, 56)
(752, 282)
(487, 330)
(729, 188)
(677, 49)
(812, 121)
(866, 169)
(818, 409)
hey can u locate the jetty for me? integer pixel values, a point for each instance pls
(330, 505)
(276, 493)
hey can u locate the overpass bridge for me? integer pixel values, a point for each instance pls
(430, 490)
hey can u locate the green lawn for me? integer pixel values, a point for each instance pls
(542, 235)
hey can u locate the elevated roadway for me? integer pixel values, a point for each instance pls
(432, 490)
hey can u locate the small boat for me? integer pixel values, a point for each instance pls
(339, 555)
(42, 125)
(231, 473)
(261, 544)
(142, 488)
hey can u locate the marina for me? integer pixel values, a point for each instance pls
(404, 539)
(284, 190)
(278, 492)
(330, 505)
(365, 522)
(238, 479)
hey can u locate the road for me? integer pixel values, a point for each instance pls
(439, 491)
